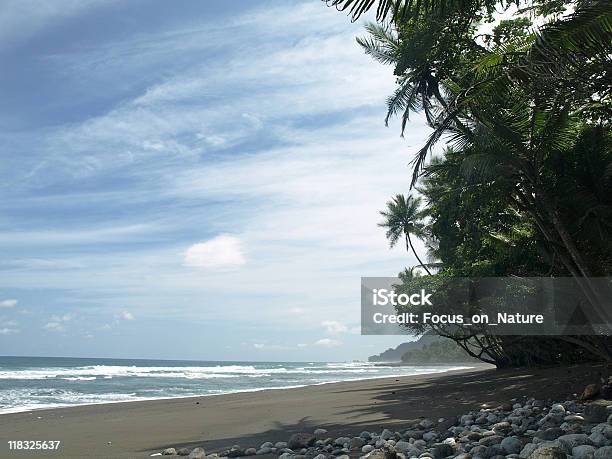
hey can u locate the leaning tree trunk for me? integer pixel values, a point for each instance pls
(410, 246)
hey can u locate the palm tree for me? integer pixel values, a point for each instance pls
(404, 217)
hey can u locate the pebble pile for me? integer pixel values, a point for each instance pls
(533, 429)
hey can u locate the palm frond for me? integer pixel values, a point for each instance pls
(381, 43)
(401, 10)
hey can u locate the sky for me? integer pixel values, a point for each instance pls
(198, 180)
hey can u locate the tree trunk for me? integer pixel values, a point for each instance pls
(410, 246)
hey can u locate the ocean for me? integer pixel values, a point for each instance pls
(30, 383)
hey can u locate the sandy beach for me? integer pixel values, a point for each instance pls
(138, 429)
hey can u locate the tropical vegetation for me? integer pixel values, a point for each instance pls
(516, 177)
(435, 353)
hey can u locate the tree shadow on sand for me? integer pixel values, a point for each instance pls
(398, 404)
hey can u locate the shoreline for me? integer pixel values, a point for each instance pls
(141, 428)
(417, 365)
(297, 386)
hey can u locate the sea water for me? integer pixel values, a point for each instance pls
(29, 383)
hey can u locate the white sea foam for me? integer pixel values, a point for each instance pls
(190, 372)
(33, 388)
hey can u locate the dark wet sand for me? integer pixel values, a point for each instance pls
(137, 429)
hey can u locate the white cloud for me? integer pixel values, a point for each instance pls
(8, 331)
(54, 326)
(271, 347)
(57, 323)
(71, 236)
(327, 342)
(125, 315)
(10, 303)
(8, 327)
(333, 326)
(223, 251)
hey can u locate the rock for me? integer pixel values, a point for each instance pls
(197, 453)
(366, 449)
(598, 439)
(235, 451)
(267, 444)
(502, 427)
(387, 434)
(320, 433)
(356, 443)
(573, 418)
(169, 452)
(591, 391)
(416, 434)
(479, 451)
(390, 452)
(557, 408)
(375, 454)
(430, 436)
(604, 429)
(511, 445)
(480, 420)
(603, 453)
(250, 452)
(341, 441)
(548, 452)
(280, 444)
(406, 448)
(527, 450)
(463, 456)
(290, 456)
(301, 440)
(583, 452)
(426, 424)
(420, 444)
(319, 456)
(450, 441)
(182, 452)
(446, 424)
(442, 450)
(568, 442)
(550, 434)
(496, 450)
(490, 440)
(596, 412)
(365, 435)
(262, 451)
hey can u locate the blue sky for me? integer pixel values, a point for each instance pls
(198, 180)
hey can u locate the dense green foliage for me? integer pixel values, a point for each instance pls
(524, 186)
(439, 352)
